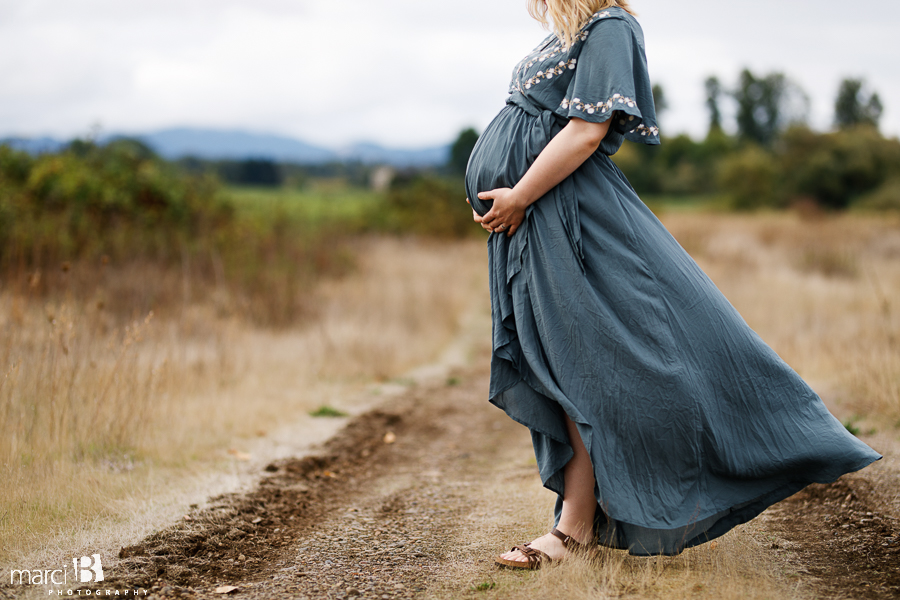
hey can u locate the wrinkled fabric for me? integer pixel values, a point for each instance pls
(692, 423)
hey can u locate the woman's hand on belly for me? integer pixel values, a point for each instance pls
(559, 159)
(479, 219)
(507, 212)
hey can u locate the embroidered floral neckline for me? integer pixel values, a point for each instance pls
(540, 55)
(549, 50)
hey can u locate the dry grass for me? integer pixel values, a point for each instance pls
(91, 415)
(735, 568)
(177, 394)
(406, 309)
(516, 508)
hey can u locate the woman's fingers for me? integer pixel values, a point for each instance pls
(499, 218)
(478, 218)
(492, 194)
(503, 216)
(495, 218)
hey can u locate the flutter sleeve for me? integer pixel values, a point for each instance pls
(611, 81)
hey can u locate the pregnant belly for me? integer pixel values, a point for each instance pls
(505, 151)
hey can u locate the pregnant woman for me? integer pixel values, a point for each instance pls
(659, 418)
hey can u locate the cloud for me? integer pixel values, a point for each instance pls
(402, 72)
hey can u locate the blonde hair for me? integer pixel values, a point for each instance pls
(569, 16)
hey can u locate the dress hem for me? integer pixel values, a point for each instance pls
(731, 516)
(732, 519)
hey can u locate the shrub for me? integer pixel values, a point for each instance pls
(76, 203)
(96, 211)
(15, 166)
(837, 168)
(429, 205)
(885, 198)
(7, 216)
(749, 179)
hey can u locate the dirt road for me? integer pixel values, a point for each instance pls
(380, 512)
(413, 499)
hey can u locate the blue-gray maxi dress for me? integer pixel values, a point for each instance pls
(693, 424)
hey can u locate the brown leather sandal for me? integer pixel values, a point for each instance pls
(534, 558)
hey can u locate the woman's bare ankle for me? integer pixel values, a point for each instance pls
(579, 532)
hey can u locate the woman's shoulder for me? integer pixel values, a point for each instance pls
(612, 13)
(612, 19)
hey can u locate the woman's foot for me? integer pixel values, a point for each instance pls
(550, 544)
(579, 507)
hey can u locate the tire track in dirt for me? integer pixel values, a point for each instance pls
(363, 518)
(842, 537)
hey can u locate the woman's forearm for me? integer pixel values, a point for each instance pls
(559, 159)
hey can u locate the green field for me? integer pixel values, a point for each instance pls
(345, 207)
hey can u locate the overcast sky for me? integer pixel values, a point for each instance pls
(397, 72)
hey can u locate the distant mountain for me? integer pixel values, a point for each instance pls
(219, 144)
(33, 145)
(399, 157)
(223, 144)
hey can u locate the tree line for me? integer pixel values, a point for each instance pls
(773, 158)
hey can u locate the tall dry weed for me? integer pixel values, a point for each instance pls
(730, 569)
(405, 309)
(80, 407)
(94, 411)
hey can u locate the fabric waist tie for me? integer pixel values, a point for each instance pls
(517, 99)
(550, 124)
